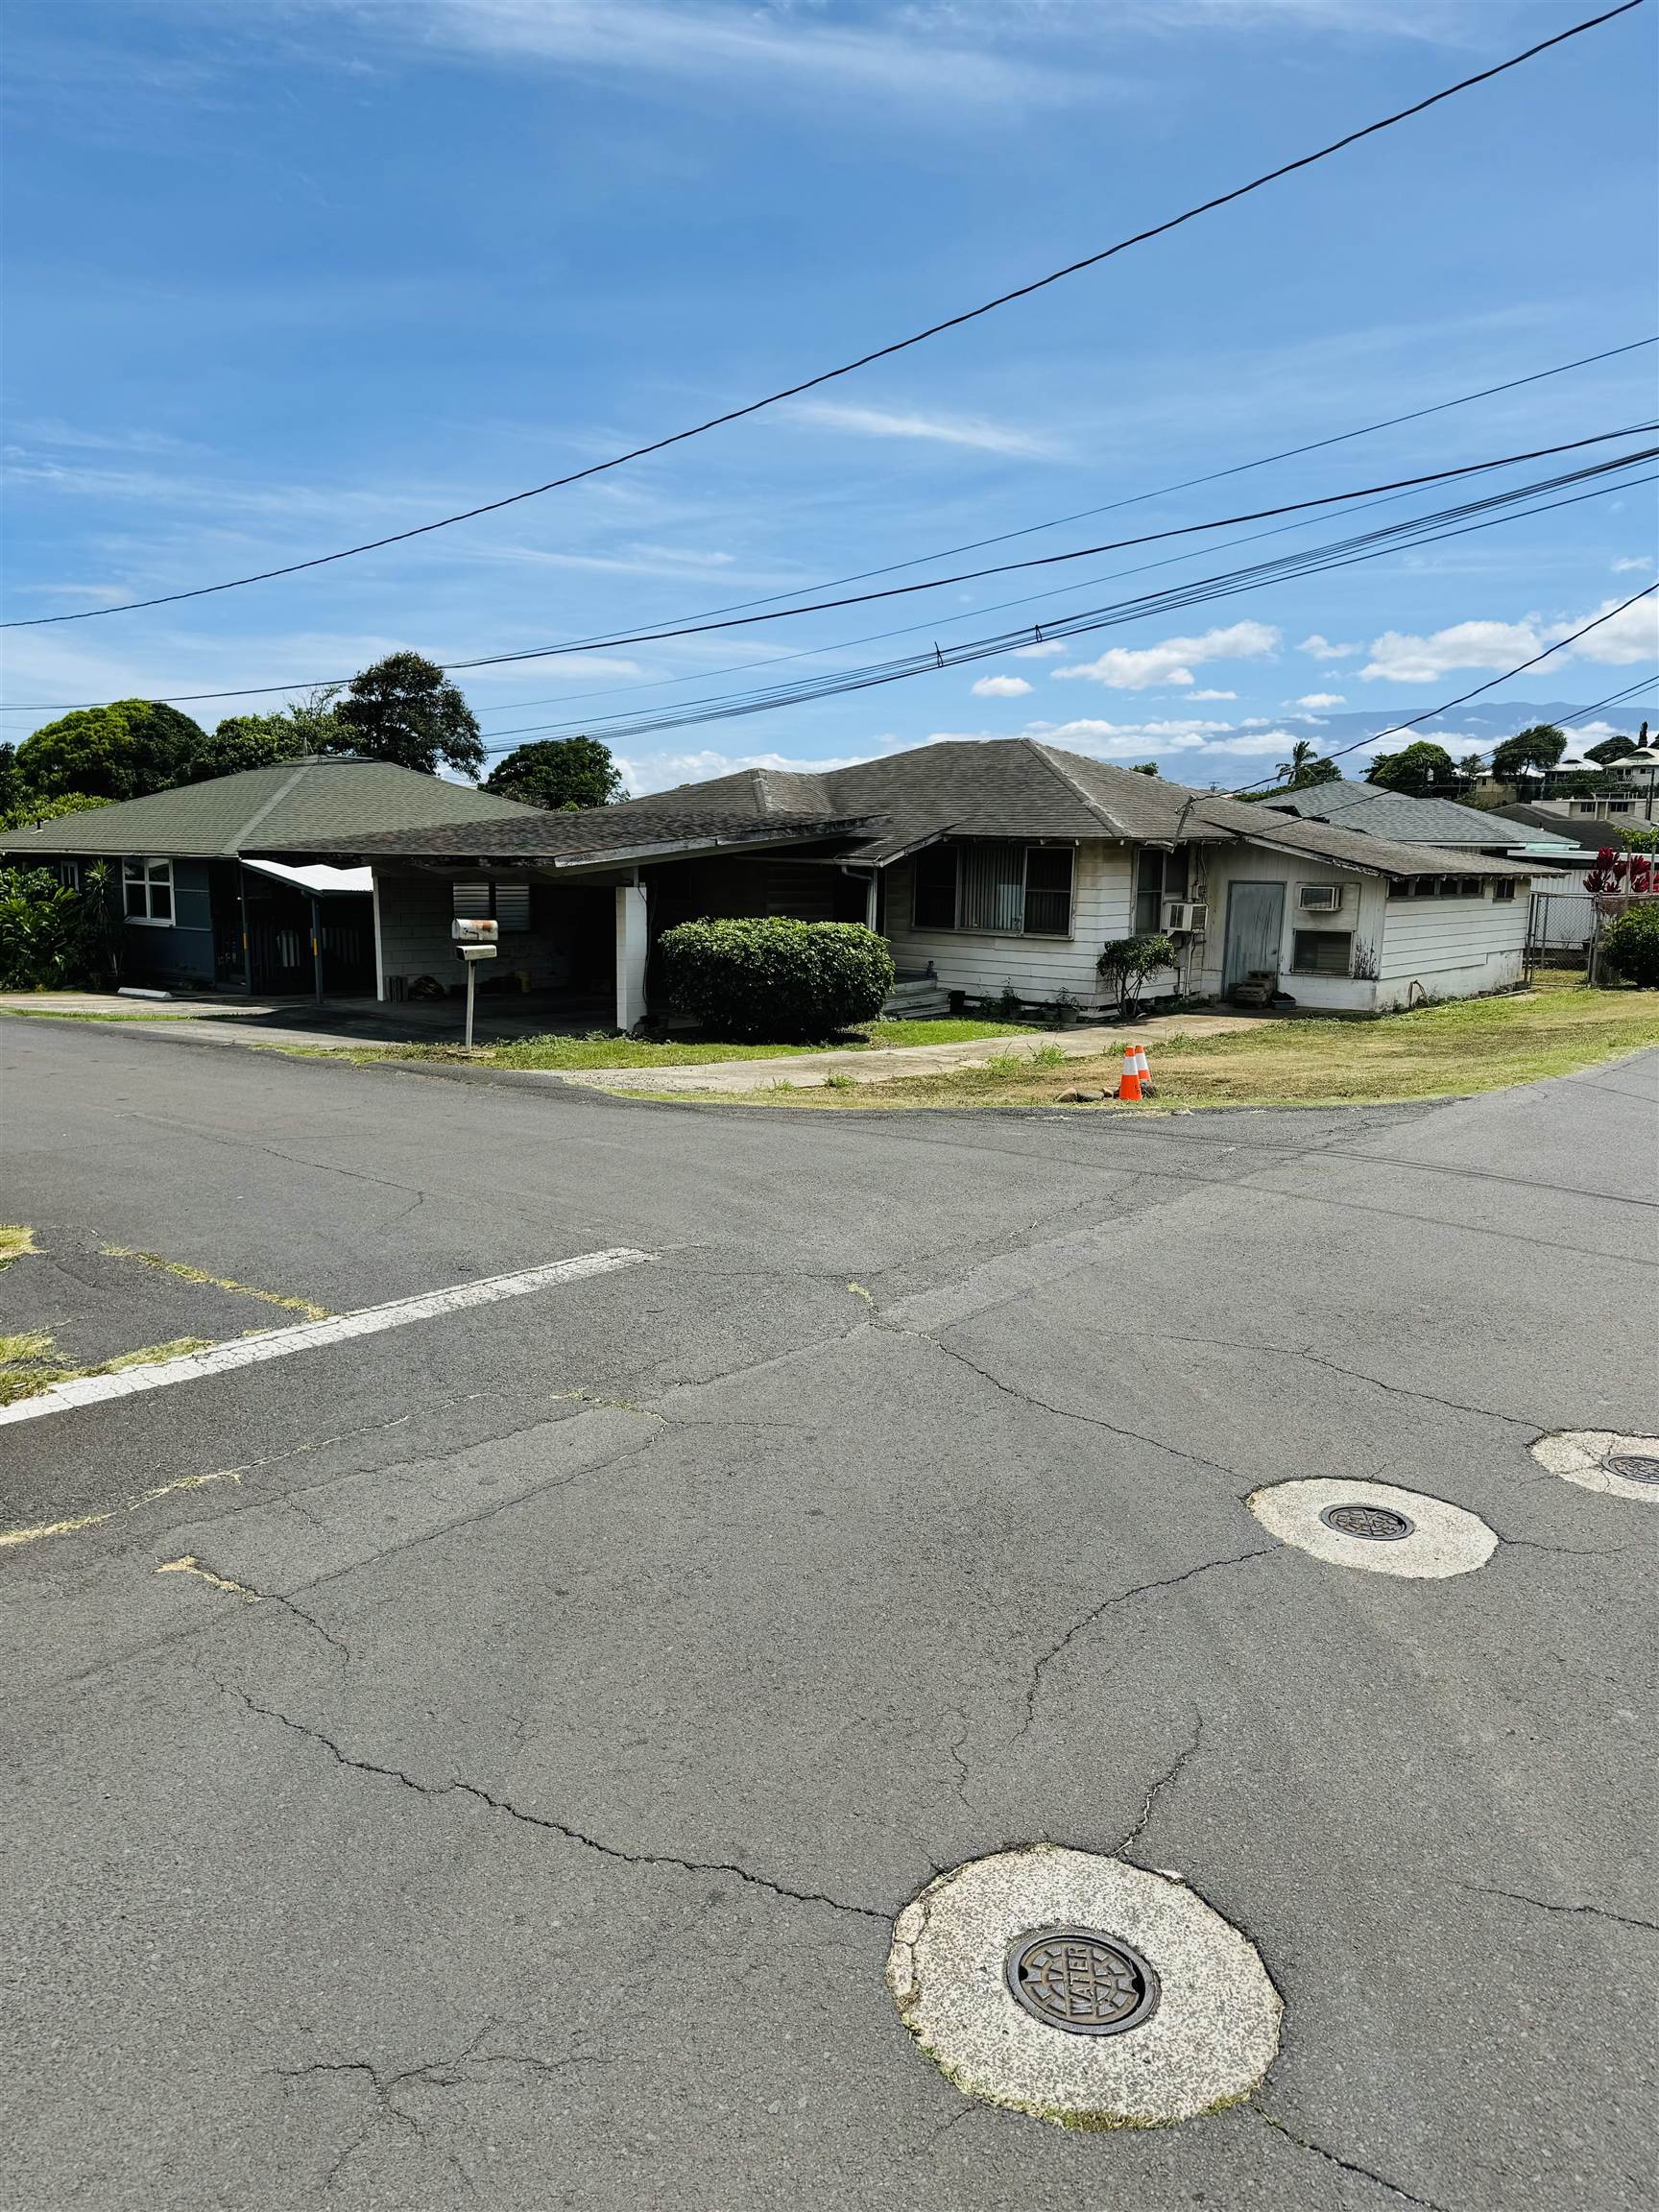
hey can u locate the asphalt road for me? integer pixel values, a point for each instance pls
(605, 1667)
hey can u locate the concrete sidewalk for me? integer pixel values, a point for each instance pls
(807, 1071)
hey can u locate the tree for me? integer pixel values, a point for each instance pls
(1611, 749)
(1422, 770)
(403, 709)
(1534, 751)
(1302, 756)
(563, 773)
(304, 726)
(1145, 768)
(1471, 768)
(118, 752)
(25, 812)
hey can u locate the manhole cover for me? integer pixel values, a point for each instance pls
(1378, 1523)
(1633, 1467)
(1080, 1981)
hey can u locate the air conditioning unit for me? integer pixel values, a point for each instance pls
(1182, 918)
(1319, 897)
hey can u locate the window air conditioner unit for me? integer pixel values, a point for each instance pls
(1182, 918)
(1319, 897)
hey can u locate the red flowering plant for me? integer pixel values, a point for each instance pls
(1614, 873)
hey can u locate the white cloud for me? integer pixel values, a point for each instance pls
(970, 430)
(1046, 651)
(1639, 564)
(915, 58)
(1319, 648)
(661, 771)
(1398, 657)
(1313, 701)
(1212, 694)
(1632, 636)
(1136, 669)
(1000, 687)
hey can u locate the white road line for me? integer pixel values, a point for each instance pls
(313, 1336)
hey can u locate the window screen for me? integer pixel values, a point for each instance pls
(1322, 952)
(994, 887)
(1048, 891)
(934, 907)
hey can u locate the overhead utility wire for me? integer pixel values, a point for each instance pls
(1395, 728)
(1030, 529)
(658, 636)
(1044, 630)
(662, 634)
(1165, 490)
(1342, 553)
(877, 353)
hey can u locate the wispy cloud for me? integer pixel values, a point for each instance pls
(1313, 702)
(1137, 668)
(933, 54)
(1319, 648)
(1000, 687)
(970, 430)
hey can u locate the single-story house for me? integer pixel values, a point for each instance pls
(199, 912)
(988, 864)
(1379, 812)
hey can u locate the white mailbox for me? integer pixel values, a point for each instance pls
(471, 952)
(462, 932)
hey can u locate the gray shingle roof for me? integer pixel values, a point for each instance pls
(1396, 814)
(294, 803)
(878, 809)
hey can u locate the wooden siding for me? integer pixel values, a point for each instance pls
(980, 962)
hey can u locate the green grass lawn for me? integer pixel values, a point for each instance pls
(1468, 1046)
(602, 1049)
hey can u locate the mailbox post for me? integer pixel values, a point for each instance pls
(475, 940)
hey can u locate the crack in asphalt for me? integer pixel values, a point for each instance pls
(571, 1835)
(1551, 1905)
(1406, 1390)
(1347, 2165)
(1165, 1781)
(1087, 1621)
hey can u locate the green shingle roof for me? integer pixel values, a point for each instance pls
(291, 803)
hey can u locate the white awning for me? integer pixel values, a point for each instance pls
(317, 880)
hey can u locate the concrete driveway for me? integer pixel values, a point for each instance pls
(476, 1753)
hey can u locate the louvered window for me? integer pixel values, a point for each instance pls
(508, 902)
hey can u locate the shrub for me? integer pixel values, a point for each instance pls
(1126, 962)
(1630, 944)
(776, 981)
(52, 937)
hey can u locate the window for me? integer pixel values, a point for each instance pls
(934, 907)
(1504, 888)
(1158, 876)
(508, 903)
(1004, 889)
(67, 873)
(1322, 952)
(147, 890)
(1048, 891)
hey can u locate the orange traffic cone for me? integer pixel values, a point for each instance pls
(1143, 1072)
(1129, 1088)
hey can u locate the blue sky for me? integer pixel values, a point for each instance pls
(282, 277)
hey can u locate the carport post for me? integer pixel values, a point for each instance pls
(633, 946)
(317, 947)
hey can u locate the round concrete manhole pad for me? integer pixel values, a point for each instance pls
(1376, 1526)
(1082, 1990)
(1599, 1459)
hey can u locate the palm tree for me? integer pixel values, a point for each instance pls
(1301, 758)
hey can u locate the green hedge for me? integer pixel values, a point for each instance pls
(776, 981)
(1630, 944)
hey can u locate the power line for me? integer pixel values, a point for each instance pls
(1422, 529)
(1161, 491)
(1397, 729)
(663, 635)
(878, 354)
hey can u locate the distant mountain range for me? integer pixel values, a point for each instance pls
(1480, 724)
